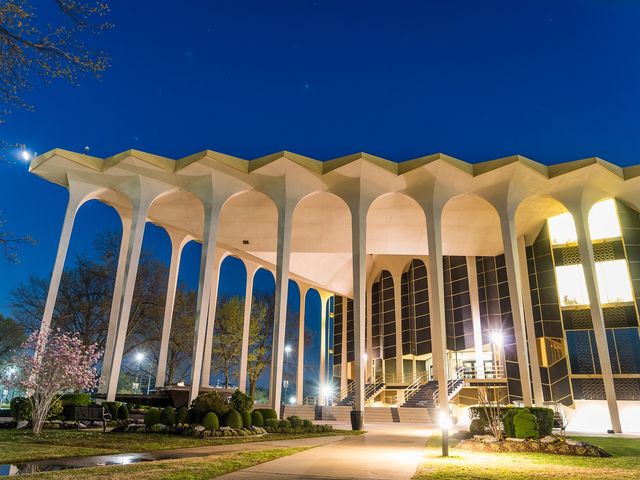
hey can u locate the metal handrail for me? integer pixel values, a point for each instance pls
(310, 400)
(372, 388)
(459, 375)
(346, 391)
(413, 388)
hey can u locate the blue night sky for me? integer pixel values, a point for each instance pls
(554, 81)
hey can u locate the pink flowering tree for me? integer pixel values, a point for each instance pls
(49, 364)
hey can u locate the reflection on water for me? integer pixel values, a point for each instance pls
(50, 466)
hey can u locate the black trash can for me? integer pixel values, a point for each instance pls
(357, 419)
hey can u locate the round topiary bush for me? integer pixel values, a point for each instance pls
(76, 399)
(241, 401)
(256, 419)
(152, 417)
(208, 402)
(112, 408)
(296, 422)
(476, 427)
(182, 415)
(267, 413)
(246, 419)
(20, 408)
(168, 416)
(123, 413)
(210, 422)
(526, 424)
(232, 419)
(306, 423)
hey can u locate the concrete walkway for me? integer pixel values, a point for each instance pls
(386, 451)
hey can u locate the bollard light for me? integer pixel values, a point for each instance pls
(445, 426)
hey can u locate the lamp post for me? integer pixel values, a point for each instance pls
(496, 343)
(285, 383)
(139, 358)
(445, 426)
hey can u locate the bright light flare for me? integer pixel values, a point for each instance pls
(496, 338)
(139, 357)
(444, 421)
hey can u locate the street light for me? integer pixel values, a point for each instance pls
(445, 426)
(292, 400)
(325, 392)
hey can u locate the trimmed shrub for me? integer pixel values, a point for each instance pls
(306, 423)
(112, 408)
(271, 424)
(123, 413)
(295, 421)
(168, 416)
(476, 427)
(232, 419)
(544, 417)
(241, 401)
(210, 422)
(267, 413)
(246, 419)
(208, 402)
(526, 424)
(507, 422)
(152, 417)
(76, 399)
(182, 415)
(256, 419)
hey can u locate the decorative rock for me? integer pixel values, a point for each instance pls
(548, 439)
(22, 424)
(515, 439)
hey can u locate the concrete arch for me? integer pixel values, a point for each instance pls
(321, 240)
(178, 210)
(470, 226)
(252, 217)
(532, 213)
(396, 225)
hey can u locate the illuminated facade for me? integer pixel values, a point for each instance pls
(438, 278)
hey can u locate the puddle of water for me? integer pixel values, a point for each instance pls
(69, 464)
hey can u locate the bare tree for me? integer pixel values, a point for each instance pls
(490, 403)
(9, 242)
(260, 337)
(50, 49)
(11, 337)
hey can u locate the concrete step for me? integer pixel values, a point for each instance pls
(302, 411)
(379, 414)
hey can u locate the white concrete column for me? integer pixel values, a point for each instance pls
(472, 273)
(251, 269)
(369, 362)
(211, 320)
(435, 273)
(177, 242)
(397, 301)
(324, 298)
(115, 303)
(359, 249)
(138, 222)
(285, 217)
(208, 273)
(74, 202)
(536, 377)
(508, 227)
(300, 369)
(580, 217)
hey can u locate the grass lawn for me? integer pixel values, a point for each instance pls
(192, 468)
(466, 465)
(19, 445)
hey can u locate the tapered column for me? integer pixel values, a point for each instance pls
(58, 267)
(177, 242)
(472, 274)
(597, 317)
(536, 377)
(138, 221)
(508, 227)
(359, 249)
(246, 324)
(436, 306)
(285, 214)
(323, 339)
(208, 272)
(300, 369)
(213, 304)
(369, 363)
(115, 303)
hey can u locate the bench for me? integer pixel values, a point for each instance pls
(92, 413)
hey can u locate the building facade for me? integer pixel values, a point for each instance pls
(440, 280)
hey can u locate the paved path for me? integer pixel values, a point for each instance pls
(387, 451)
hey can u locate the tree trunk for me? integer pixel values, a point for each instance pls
(252, 388)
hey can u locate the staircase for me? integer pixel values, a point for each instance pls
(371, 390)
(423, 396)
